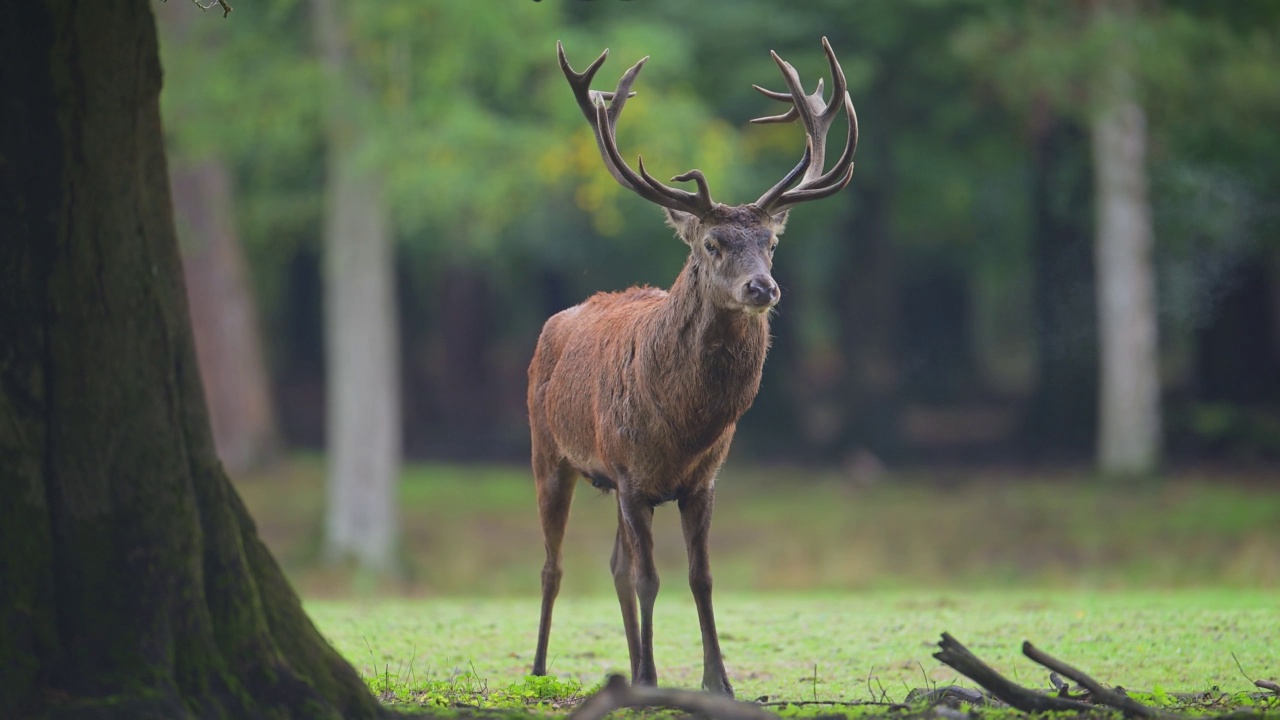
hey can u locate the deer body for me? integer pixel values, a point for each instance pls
(646, 386)
(641, 391)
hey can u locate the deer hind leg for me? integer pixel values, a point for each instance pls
(555, 481)
(695, 518)
(637, 517)
(624, 582)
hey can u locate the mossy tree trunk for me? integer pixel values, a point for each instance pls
(132, 580)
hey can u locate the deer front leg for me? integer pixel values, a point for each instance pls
(637, 516)
(695, 518)
(625, 583)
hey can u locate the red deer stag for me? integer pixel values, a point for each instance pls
(640, 391)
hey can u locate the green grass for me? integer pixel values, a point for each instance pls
(845, 647)
(825, 588)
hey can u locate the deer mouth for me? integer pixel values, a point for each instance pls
(755, 308)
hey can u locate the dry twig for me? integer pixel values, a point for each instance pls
(1099, 694)
(957, 656)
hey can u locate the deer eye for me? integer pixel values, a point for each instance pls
(773, 246)
(712, 250)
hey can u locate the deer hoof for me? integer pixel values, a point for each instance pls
(718, 685)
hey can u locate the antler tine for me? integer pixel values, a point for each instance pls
(603, 120)
(771, 196)
(581, 82)
(839, 87)
(850, 146)
(791, 113)
(816, 116)
(644, 184)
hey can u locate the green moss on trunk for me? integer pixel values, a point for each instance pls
(135, 583)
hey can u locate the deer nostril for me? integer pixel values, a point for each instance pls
(762, 290)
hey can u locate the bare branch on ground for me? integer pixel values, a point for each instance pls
(1098, 693)
(957, 656)
(947, 701)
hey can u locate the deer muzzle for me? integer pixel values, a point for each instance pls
(761, 292)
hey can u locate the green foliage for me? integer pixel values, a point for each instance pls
(471, 121)
(488, 163)
(1205, 78)
(477, 135)
(244, 88)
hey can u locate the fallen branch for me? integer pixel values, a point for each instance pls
(617, 694)
(1098, 693)
(957, 656)
(832, 703)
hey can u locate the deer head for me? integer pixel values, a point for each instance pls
(731, 247)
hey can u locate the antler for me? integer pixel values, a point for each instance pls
(603, 121)
(816, 115)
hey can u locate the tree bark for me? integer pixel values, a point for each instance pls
(134, 581)
(1129, 436)
(361, 346)
(224, 316)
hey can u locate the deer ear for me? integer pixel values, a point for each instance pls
(682, 223)
(780, 221)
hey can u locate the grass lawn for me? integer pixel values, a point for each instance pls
(854, 646)
(825, 587)
(845, 647)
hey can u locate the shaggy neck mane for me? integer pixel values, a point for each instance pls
(708, 360)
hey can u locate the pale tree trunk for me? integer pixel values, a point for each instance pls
(362, 371)
(1129, 402)
(223, 315)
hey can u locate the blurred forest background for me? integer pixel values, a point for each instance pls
(381, 202)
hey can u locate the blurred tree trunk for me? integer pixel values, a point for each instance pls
(134, 583)
(867, 298)
(938, 357)
(1062, 415)
(868, 330)
(363, 433)
(224, 315)
(1238, 348)
(465, 383)
(1129, 433)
